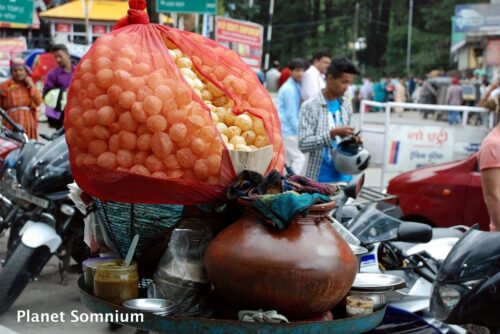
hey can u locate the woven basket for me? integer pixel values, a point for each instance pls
(124, 220)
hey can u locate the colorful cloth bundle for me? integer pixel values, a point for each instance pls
(278, 198)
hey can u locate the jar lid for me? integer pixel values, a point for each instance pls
(116, 265)
(93, 262)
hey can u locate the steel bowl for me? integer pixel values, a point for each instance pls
(379, 298)
(156, 306)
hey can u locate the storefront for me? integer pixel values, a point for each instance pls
(68, 24)
(475, 36)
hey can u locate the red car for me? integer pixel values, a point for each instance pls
(442, 195)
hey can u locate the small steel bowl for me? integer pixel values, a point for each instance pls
(156, 306)
(379, 298)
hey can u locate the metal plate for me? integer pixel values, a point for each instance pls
(378, 282)
(178, 325)
(153, 305)
(20, 193)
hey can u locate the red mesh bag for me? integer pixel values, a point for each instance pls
(152, 112)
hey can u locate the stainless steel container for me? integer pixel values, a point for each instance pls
(376, 286)
(156, 306)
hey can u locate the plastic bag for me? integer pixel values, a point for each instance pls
(181, 275)
(95, 234)
(152, 112)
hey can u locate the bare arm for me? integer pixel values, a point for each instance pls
(490, 179)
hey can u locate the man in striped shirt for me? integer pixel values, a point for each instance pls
(324, 120)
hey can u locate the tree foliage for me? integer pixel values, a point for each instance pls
(300, 27)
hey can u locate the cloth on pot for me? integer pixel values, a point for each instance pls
(280, 209)
(304, 184)
(249, 183)
(261, 316)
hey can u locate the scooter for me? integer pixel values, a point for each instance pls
(53, 226)
(466, 290)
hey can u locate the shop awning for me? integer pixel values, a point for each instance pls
(100, 10)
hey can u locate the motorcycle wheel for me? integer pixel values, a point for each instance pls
(23, 264)
(15, 228)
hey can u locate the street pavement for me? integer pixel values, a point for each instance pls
(49, 296)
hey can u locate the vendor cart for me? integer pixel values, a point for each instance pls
(359, 324)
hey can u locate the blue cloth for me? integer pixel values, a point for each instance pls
(289, 107)
(327, 172)
(280, 209)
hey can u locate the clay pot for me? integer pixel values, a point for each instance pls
(305, 270)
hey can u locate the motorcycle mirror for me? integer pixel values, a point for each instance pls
(414, 232)
(17, 128)
(353, 188)
(44, 136)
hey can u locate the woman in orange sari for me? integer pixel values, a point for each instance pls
(20, 97)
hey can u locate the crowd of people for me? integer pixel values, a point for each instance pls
(427, 90)
(315, 106)
(315, 111)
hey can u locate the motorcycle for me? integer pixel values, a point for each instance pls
(406, 249)
(11, 142)
(14, 208)
(53, 226)
(409, 250)
(466, 290)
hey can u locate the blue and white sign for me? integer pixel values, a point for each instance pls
(476, 17)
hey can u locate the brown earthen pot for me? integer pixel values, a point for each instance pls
(304, 270)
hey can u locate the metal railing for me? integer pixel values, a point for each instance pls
(388, 106)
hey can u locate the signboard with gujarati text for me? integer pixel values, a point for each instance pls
(243, 37)
(410, 146)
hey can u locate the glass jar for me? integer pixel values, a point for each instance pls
(89, 267)
(116, 283)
